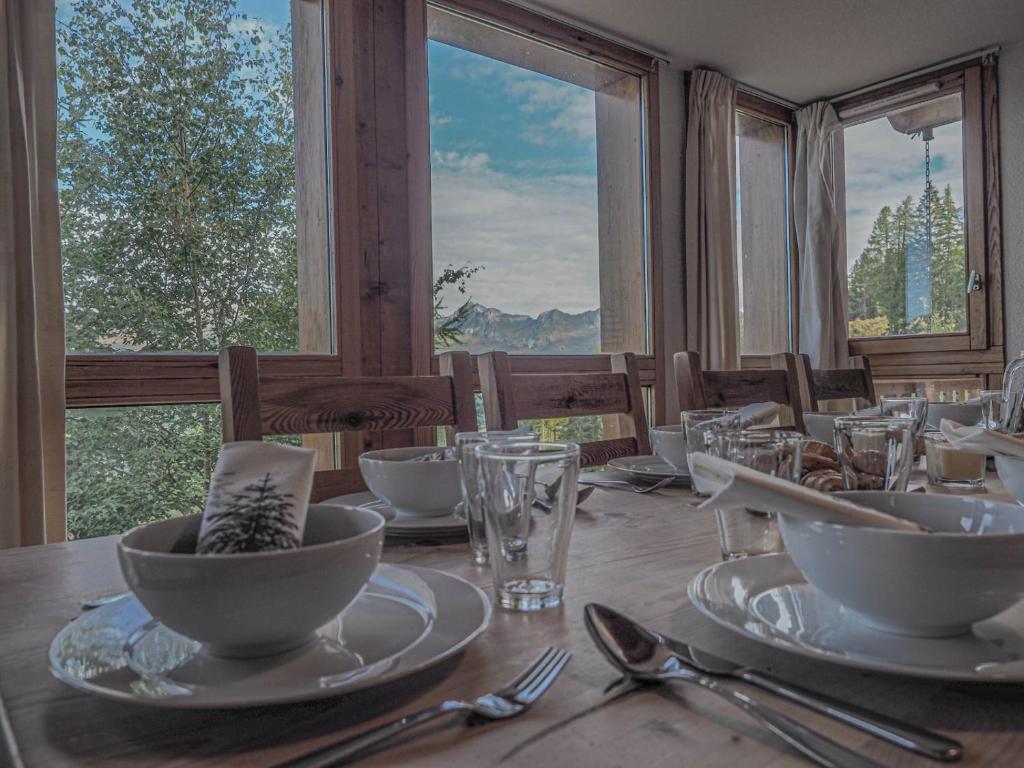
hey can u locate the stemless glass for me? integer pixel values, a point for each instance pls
(469, 479)
(991, 407)
(701, 426)
(952, 468)
(528, 543)
(875, 454)
(906, 407)
(746, 532)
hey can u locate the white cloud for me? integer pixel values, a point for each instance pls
(535, 236)
(884, 166)
(571, 109)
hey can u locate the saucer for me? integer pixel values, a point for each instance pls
(451, 527)
(766, 599)
(649, 468)
(407, 619)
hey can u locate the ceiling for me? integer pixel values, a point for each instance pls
(802, 49)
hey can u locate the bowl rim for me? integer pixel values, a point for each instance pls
(867, 530)
(374, 455)
(377, 529)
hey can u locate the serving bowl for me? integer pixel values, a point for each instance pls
(669, 443)
(253, 603)
(922, 584)
(416, 488)
(1011, 473)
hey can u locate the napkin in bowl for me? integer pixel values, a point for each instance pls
(258, 498)
(982, 440)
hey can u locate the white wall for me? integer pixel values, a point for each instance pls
(1011, 135)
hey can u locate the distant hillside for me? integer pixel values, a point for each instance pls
(550, 333)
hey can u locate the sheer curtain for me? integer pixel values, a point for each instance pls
(823, 298)
(712, 303)
(31, 302)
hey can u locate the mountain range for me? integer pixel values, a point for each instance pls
(553, 332)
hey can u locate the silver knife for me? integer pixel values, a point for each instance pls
(909, 737)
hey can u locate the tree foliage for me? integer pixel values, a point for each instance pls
(878, 281)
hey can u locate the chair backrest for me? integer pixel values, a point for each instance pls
(817, 385)
(700, 389)
(509, 397)
(257, 405)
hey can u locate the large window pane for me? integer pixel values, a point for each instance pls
(762, 234)
(537, 179)
(177, 152)
(905, 221)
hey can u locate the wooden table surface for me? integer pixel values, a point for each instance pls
(634, 553)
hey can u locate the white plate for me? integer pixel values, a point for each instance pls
(407, 619)
(767, 599)
(648, 468)
(406, 526)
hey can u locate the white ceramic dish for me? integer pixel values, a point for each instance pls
(962, 413)
(767, 600)
(253, 603)
(649, 468)
(401, 526)
(669, 443)
(407, 620)
(923, 584)
(414, 488)
(1011, 473)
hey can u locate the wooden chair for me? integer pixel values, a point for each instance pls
(854, 382)
(509, 397)
(255, 406)
(716, 389)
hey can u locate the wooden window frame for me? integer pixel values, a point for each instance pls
(378, 159)
(979, 351)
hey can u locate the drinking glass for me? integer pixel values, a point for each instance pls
(991, 408)
(745, 532)
(528, 543)
(906, 407)
(700, 426)
(875, 454)
(951, 468)
(469, 479)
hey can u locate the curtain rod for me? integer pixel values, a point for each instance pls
(978, 54)
(596, 31)
(766, 96)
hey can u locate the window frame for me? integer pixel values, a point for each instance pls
(978, 350)
(377, 139)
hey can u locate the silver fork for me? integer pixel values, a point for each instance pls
(514, 699)
(626, 484)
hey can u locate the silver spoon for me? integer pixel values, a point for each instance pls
(903, 735)
(641, 655)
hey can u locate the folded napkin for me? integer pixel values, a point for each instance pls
(739, 486)
(988, 442)
(758, 414)
(258, 498)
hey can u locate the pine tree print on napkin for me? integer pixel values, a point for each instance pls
(255, 520)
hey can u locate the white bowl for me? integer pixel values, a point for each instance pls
(416, 488)
(962, 413)
(669, 443)
(1011, 473)
(254, 603)
(928, 585)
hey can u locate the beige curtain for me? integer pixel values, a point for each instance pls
(822, 260)
(712, 303)
(31, 304)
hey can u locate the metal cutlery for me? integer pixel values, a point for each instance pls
(626, 484)
(551, 494)
(510, 701)
(642, 655)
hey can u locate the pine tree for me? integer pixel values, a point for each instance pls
(256, 520)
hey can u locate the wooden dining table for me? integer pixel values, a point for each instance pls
(635, 553)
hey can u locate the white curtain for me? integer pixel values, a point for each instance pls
(31, 303)
(822, 260)
(712, 295)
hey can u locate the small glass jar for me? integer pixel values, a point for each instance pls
(951, 468)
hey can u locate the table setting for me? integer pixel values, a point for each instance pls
(535, 602)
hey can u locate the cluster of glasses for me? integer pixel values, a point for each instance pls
(519, 499)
